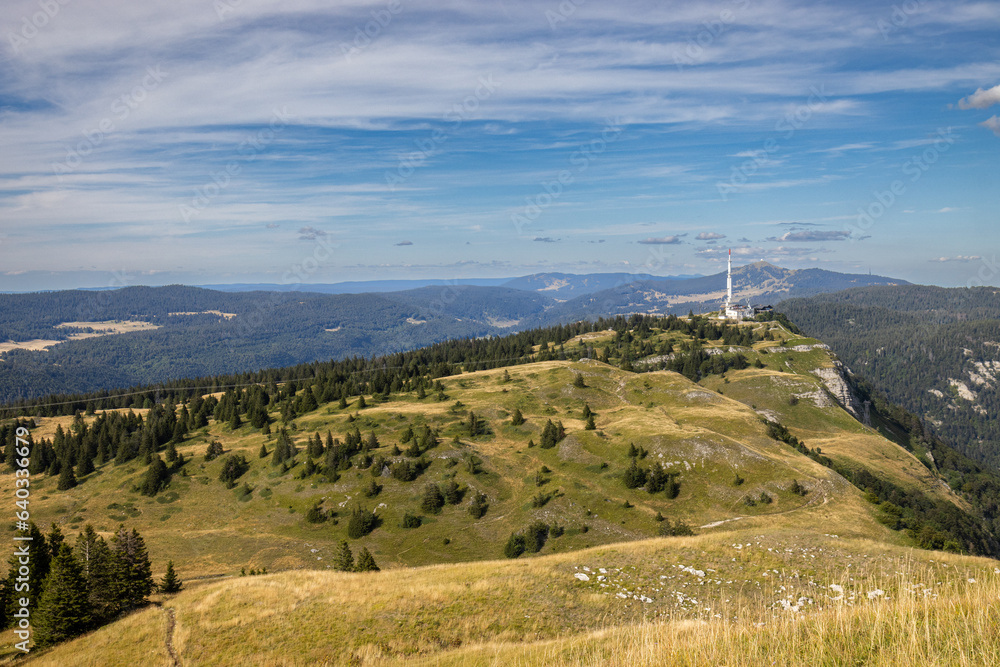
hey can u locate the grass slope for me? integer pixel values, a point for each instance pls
(757, 563)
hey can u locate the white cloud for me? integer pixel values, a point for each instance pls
(662, 240)
(710, 236)
(958, 258)
(981, 99)
(992, 124)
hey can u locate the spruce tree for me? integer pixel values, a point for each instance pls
(344, 560)
(366, 562)
(64, 609)
(134, 570)
(433, 499)
(155, 478)
(67, 480)
(170, 583)
(517, 418)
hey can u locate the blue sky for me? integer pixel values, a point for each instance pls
(212, 141)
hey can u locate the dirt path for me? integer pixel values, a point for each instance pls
(812, 502)
(171, 623)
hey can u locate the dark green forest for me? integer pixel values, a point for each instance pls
(908, 340)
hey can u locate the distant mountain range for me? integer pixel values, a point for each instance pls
(560, 286)
(62, 342)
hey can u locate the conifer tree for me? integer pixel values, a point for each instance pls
(344, 560)
(170, 583)
(67, 480)
(263, 452)
(155, 478)
(517, 418)
(433, 499)
(590, 425)
(134, 570)
(366, 562)
(64, 609)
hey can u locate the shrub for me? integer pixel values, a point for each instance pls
(411, 521)
(372, 490)
(515, 546)
(674, 530)
(479, 506)
(453, 494)
(634, 476)
(540, 499)
(535, 536)
(362, 522)
(232, 469)
(213, 451)
(316, 513)
(433, 499)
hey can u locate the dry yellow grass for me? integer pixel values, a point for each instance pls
(786, 598)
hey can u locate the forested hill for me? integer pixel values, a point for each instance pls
(177, 331)
(203, 332)
(936, 351)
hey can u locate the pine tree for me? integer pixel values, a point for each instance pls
(170, 583)
(517, 418)
(590, 425)
(64, 609)
(366, 562)
(433, 499)
(67, 480)
(155, 478)
(101, 570)
(129, 550)
(262, 454)
(344, 560)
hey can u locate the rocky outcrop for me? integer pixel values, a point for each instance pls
(835, 381)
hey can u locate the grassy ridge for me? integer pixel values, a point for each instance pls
(806, 598)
